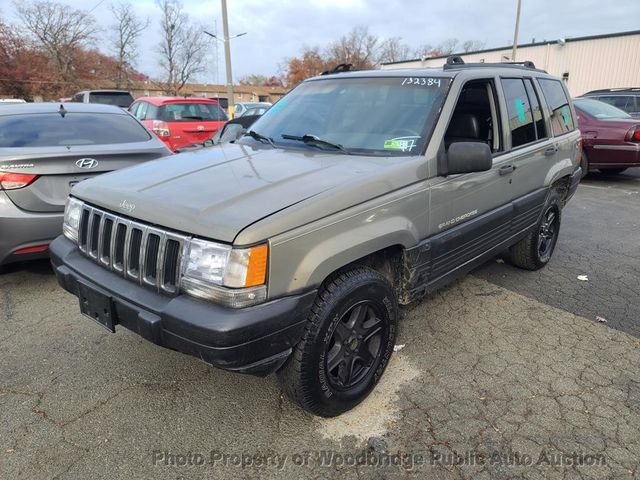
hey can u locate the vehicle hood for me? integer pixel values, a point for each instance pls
(217, 192)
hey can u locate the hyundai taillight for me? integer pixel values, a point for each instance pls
(633, 135)
(13, 181)
(161, 128)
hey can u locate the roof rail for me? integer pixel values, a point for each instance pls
(456, 61)
(343, 67)
(613, 90)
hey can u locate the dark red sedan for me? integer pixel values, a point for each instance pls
(610, 137)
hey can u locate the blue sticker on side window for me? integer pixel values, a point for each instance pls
(520, 108)
(566, 115)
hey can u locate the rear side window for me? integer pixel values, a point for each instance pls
(191, 112)
(51, 130)
(119, 99)
(554, 94)
(521, 123)
(622, 102)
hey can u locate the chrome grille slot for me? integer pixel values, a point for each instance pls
(84, 227)
(139, 252)
(134, 254)
(94, 234)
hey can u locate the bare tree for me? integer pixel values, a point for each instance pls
(183, 50)
(472, 45)
(125, 34)
(425, 50)
(448, 46)
(393, 50)
(59, 29)
(358, 48)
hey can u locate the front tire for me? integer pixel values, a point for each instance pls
(535, 250)
(584, 164)
(346, 346)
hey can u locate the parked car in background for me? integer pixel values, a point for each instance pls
(180, 122)
(119, 98)
(230, 131)
(45, 149)
(626, 99)
(240, 109)
(11, 101)
(610, 137)
(255, 111)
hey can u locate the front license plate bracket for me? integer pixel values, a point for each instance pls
(98, 306)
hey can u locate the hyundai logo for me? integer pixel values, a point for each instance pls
(87, 163)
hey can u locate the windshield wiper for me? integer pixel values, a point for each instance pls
(260, 137)
(315, 141)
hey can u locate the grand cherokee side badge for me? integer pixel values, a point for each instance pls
(127, 206)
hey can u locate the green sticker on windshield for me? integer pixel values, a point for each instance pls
(406, 144)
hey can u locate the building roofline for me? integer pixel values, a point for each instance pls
(525, 45)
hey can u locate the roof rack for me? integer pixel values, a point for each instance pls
(456, 61)
(613, 90)
(343, 67)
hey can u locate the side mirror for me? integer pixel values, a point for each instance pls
(468, 157)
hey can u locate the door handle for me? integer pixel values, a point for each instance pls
(506, 169)
(550, 151)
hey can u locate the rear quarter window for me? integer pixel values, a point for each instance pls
(556, 98)
(51, 130)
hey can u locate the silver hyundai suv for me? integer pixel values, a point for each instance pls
(291, 249)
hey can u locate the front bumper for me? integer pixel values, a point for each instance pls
(255, 340)
(22, 229)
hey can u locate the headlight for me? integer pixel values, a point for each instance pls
(234, 277)
(72, 213)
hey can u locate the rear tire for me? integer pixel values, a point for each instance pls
(535, 250)
(584, 164)
(346, 346)
(612, 171)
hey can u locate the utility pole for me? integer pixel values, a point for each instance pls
(227, 58)
(515, 33)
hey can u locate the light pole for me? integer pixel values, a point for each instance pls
(227, 55)
(515, 33)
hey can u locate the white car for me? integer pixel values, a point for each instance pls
(239, 109)
(11, 101)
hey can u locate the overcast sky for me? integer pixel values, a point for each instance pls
(280, 28)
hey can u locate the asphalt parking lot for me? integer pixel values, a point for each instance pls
(504, 374)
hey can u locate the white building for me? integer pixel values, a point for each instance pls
(585, 63)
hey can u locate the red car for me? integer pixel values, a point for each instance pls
(610, 137)
(180, 122)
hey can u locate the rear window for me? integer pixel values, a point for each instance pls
(51, 130)
(119, 99)
(554, 94)
(191, 112)
(622, 102)
(599, 109)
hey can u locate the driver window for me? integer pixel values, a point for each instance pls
(475, 117)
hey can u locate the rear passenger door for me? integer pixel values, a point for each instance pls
(530, 150)
(561, 121)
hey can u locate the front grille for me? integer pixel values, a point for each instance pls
(139, 252)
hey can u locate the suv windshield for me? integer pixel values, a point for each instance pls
(599, 109)
(119, 99)
(380, 116)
